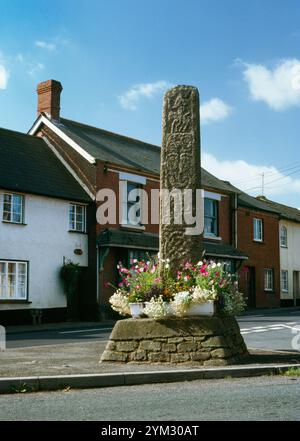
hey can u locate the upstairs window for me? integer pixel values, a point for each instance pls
(133, 216)
(13, 280)
(210, 218)
(283, 237)
(13, 208)
(258, 230)
(77, 218)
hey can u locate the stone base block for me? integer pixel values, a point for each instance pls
(207, 341)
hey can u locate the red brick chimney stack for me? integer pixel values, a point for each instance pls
(49, 98)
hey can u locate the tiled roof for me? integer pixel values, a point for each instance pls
(124, 151)
(245, 200)
(28, 165)
(285, 211)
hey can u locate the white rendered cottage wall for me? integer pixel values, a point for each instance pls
(44, 242)
(290, 256)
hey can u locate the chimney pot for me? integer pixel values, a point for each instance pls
(49, 98)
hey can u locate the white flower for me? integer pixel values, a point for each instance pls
(168, 260)
(219, 264)
(167, 265)
(213, 265)
(200, 263)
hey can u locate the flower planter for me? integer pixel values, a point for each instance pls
(207, 308)
(136, 309)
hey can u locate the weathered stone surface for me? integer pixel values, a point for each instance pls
(200, 356)
(143, 329)
(214, 342)
(126, 346)
(175, 340)
(111, 346)
(180, 170)
(114, 356)
(194, 340)
(180, 358)
(138, 356)
(168, 347)
(187, 346)
(221, 353)
(155, 357)
(153, 346)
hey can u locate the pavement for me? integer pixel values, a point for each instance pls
(74, 361)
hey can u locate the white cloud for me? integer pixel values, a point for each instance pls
(214, 110)
(248, 177)
(44, 45)
(130, 99)
(278, 88)
(3, 77)
(32, 67)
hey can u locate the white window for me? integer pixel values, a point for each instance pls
(283, 237)
(13, 208)
(258, 230)
(77, 218)
(13, 280)
(284, 281)
(269, 279)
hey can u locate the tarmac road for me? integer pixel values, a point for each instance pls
(274, 329)
(262, 398)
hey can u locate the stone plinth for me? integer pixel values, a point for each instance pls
(208, 341)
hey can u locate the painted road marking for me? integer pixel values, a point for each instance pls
(267, 328)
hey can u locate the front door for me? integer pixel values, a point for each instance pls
(251, 300)
(296, 287)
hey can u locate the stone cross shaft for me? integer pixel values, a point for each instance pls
(180, 170)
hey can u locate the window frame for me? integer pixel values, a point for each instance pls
(11, 212)
(215, 219)
(17, 297)
(255, 221)
(266, 272)
(74, 228)
(285, 244)
(284, 289)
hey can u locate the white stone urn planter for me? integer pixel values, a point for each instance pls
(207, 308)
(136, 309)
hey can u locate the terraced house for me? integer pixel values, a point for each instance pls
(44, 214)
(100, 159)
(289, 245)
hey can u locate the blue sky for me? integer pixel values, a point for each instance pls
(116, 58)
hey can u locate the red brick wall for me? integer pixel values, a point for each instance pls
(106, 178)
(261, 255)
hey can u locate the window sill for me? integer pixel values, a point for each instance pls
(12, 302)
(133, 227)
(14, 223)
(212, 238)
(259, 241)
(77, 232)
(269, 291)
(283, 246)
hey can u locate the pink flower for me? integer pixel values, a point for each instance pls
(138, 286)
(186, 278)
(157, 280)
(187, 265)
